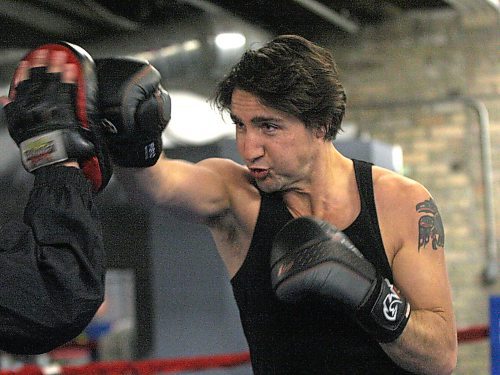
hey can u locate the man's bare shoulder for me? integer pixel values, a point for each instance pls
(394, 188)
(399, 201)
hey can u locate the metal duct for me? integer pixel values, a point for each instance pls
(475, 6)
(91, 11)
(46, 21)
(184, 52)
(330, 15)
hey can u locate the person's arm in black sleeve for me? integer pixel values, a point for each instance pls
(51, 265)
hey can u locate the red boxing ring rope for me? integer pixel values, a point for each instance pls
(146, 367)
(473, 333)
(177, 365)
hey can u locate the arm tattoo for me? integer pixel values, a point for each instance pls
(430, 226)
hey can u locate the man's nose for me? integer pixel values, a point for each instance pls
(251, 146)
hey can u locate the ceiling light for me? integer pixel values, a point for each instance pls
(230, 40)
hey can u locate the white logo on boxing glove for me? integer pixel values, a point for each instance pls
(391, 302)
(42, 150)
(149, 151)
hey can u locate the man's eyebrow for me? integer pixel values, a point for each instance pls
(260, 119)
(256, 120)
(234, 118)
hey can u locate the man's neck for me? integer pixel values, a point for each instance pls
(328, 187)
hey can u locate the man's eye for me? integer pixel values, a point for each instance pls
(267, 126)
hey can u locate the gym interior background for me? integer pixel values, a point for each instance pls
(423, 87)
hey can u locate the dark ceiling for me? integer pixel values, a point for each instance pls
(137, 26)
(115, 24)
(27, 23)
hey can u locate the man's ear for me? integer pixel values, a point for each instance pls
(320, 132)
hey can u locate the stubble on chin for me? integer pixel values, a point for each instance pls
(270, 185)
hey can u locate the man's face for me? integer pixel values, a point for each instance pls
(277, 148)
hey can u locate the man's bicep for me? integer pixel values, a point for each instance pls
(198, 191)
(195, 191)
(419, 266)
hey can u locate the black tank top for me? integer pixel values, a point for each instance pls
(308, 338)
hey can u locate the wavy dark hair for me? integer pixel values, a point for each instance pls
(293, 75)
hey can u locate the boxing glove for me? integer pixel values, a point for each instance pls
(52, 121)
(310, 257)
(134, 108)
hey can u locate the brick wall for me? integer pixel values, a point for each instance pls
(400, 78)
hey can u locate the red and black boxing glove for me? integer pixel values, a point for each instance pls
(311, 257)
(53, 121)
(135, 109)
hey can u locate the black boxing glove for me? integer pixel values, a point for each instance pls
(311, 257)
(53, 121)
(135, 110)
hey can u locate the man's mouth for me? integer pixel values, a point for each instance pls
(259, 173)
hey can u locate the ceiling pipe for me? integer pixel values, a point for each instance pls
(64, 17)
(490, 268)
(45, 21)
(471, 6)
(92, 11)
(495, 4)
(60, 17)
(206, 6)
(330, 15)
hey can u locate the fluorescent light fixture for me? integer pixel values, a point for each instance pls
(191, 45)
(171, 50)
(230, 40)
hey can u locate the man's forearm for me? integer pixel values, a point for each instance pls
(426, 346)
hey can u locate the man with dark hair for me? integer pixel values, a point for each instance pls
(337, 266)
(293, 76)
